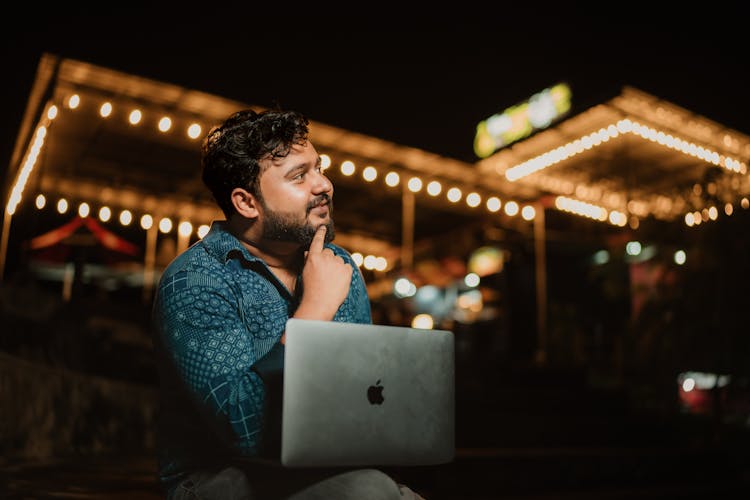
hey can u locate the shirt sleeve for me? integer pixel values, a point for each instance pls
(200, 325)
(356, 307)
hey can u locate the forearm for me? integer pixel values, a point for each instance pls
(313, 309)
(236, 402)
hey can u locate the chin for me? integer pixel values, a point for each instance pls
(331, 230)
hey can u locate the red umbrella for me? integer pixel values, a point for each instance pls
(57, 244)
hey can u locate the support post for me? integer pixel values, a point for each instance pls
(183, 241)
(149, 261)
(4, 242)
(407, 229)
(540, 254)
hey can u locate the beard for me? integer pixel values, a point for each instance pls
(288, 227)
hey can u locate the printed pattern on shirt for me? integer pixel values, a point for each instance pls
(217, 315)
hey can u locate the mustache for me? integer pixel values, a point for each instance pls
(320, 200)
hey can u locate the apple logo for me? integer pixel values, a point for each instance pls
(375, 394)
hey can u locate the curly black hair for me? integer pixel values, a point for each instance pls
(231, 152)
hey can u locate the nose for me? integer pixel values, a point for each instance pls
(322, 184)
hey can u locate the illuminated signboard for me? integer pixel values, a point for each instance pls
(521, 120)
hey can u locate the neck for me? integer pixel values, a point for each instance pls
(276, 254)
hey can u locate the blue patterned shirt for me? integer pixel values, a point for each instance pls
(218, 317)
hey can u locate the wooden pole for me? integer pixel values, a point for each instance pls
(183, 241)
(149, 262)
(540, 254)
(4, 242)
(407, 229)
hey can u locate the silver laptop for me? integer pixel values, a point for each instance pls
(363, 394)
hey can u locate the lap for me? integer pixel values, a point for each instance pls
(264, 482)
(226, 484)
(368, 484)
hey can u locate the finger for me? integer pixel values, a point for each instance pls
(318, 240)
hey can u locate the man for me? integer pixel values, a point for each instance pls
(222, 305)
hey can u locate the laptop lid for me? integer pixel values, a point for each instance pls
(363, 394)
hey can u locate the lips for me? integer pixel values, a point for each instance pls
(320, 210)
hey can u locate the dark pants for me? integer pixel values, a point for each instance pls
(260, 482)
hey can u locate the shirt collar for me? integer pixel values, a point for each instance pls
(222, 244)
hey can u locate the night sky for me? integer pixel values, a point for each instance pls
(423, 79)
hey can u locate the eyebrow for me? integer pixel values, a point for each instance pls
(300, 166)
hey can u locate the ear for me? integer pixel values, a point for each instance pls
(245, 203)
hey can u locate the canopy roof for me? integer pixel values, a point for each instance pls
(635, 154)
(631, 157)
(87, 157)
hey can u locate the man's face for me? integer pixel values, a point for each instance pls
(296, 198)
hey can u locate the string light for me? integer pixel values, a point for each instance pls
(194, 131)
(126, 217)
(185, 228)
(62, 206)
(165, 225)
(454, 194)
(511, 208)
(528, 212)
(105, 214)
(165, 124)
(135, 117)
(147, 221)
(347, 167)
(415, 184)
(603, 135)
(325, 161)
(392, 179)
(369, 174)
(473, 199)
(434, 188)
(493, 203)
(74, 101)
(105, 110)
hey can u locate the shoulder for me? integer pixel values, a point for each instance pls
(193, 269)
(340, 251)
(194, 258)
(344, 254)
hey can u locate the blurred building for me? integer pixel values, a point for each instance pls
(547, 249)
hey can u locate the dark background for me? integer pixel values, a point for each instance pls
(425, 78)
(422, 78)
